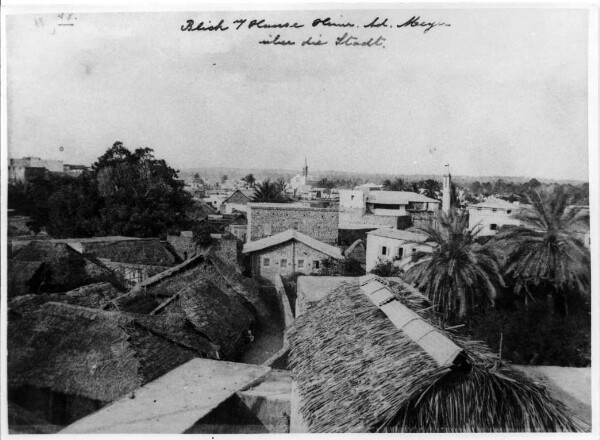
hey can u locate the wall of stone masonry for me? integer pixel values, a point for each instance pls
(319, 223)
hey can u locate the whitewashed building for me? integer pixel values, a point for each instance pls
(395, 245)
(488, 216)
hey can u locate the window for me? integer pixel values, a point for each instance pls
(383, 250)
(414, 250)
(283, 262)
(301, 263)
(266, 262)
(316, 264)
(509, 211)
(351, 197)
(493, 226)
(494, 210)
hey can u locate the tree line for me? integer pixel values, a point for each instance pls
(129, 193)
(543, 263)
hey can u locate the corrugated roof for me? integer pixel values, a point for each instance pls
(398, 197)
(288, 235)
(437, 345)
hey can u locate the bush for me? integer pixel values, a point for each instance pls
(386, 269)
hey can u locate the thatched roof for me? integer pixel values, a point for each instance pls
(204, 292)
(91, 353)
(43, 266)
(358, 370)
(207, 267)
(22, 276)
(93, 296)
(40, 250)
(150, 252)
(212, 313)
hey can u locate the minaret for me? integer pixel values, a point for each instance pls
(447, 191)
(305, 169)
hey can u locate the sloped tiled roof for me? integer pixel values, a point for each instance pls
(288, 235)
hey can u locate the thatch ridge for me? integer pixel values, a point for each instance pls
(211, 312)
(356, 372)
(92, 295)
(43, 266)
(150, 252)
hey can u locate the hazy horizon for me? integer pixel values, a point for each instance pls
(500, 92)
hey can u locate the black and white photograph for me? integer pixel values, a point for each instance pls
(300, 218)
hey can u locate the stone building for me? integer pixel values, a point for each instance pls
(24, 169)
(288, 253)
(266, 219)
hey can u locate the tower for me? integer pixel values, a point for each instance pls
(305, 168)
(447, 191)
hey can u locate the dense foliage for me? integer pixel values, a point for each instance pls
(458, 274)
(546, 254)
(126, 193)
(270, 192)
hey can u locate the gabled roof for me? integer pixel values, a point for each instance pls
(353, 246)
(203, 291)
(238, 193)
(42, 266)
(292, 234)
(373, 358)
(398, 198)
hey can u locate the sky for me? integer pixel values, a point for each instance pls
(499, 92)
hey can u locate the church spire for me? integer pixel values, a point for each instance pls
(305, 168)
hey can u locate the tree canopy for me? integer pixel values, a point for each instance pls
(457, 273)
(270, 192)
(547, 250)
(126, 193)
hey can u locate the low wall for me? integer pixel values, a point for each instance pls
(284, 303)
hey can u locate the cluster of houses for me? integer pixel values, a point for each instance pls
(129, 335)
(27, 168)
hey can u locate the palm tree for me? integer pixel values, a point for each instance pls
(546, 251)
(270, 192)
(430, 188)
(456, 273)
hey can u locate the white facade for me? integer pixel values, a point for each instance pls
(392, 245)
(487, 217)
(352, 198)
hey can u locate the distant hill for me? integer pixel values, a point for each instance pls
(213, 174)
